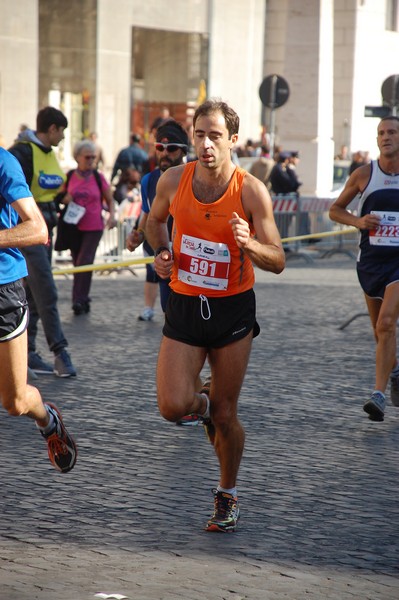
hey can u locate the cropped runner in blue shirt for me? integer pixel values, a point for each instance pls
(22, 224)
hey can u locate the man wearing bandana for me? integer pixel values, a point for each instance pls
(171, 149)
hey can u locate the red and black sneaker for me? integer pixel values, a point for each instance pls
(61, 447)
(189, 420)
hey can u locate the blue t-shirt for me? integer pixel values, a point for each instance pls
(148, 187)
(13, 187)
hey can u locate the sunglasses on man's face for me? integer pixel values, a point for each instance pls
(90, 157)
(169, 147)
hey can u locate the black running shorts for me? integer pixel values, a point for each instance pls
(14, 314)
(375, 276)
(210, 322)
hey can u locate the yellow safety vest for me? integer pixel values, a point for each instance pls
(48, 176)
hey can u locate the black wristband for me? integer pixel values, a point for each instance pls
(160, 250)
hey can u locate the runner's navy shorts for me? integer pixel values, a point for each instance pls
(210, 322)
(374, 277)
(151, 276)
(14, 313)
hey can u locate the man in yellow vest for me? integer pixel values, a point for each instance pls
(44, 177)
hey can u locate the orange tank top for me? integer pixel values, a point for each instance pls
(207, 258)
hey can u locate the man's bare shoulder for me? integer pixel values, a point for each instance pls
(253, 187)
(255, 197)
(362, 174)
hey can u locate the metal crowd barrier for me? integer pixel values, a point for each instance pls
(308, 215)
(111, 249)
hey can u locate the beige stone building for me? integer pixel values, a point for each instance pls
(112, 65)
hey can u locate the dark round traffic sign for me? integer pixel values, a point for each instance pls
(390, 90)
(274, 91)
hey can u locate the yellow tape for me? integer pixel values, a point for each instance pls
(149, 259)
(324, 234)
(105, 266)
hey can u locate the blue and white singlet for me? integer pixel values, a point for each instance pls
(378, 259)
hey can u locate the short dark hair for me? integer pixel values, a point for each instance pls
(135, 138)
(50, 116)
(391, 118)
(212, 106)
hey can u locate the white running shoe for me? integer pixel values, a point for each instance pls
(147, 314)
(375, 407)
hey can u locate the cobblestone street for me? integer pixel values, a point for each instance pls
(318, 485)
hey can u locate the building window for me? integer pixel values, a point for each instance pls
(169, 70)
(392, 15)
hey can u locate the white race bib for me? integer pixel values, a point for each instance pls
(204, 264)
(74, 213)
(387, 232)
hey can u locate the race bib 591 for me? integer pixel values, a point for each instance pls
(203, 263)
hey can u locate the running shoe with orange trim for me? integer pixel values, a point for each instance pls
(226, 513)
(61, 447)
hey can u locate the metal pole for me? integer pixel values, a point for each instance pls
(395, 98)
(271, 129)
(272, 104)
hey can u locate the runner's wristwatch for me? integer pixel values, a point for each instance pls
(161, 249)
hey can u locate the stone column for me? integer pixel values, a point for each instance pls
(299, 47)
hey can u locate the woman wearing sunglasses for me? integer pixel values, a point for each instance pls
(86, 190)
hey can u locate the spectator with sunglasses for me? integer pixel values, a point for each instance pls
(171, 148)
(87, 193)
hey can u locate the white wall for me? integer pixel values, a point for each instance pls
(344, 50)
(236, 60)
(299, 47)
(19, 66)
(376, 58)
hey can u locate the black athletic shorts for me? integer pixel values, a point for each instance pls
(210, 322)
(14, 314)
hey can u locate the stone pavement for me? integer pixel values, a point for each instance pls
(318, 485)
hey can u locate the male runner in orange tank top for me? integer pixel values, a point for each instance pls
(223, 223)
